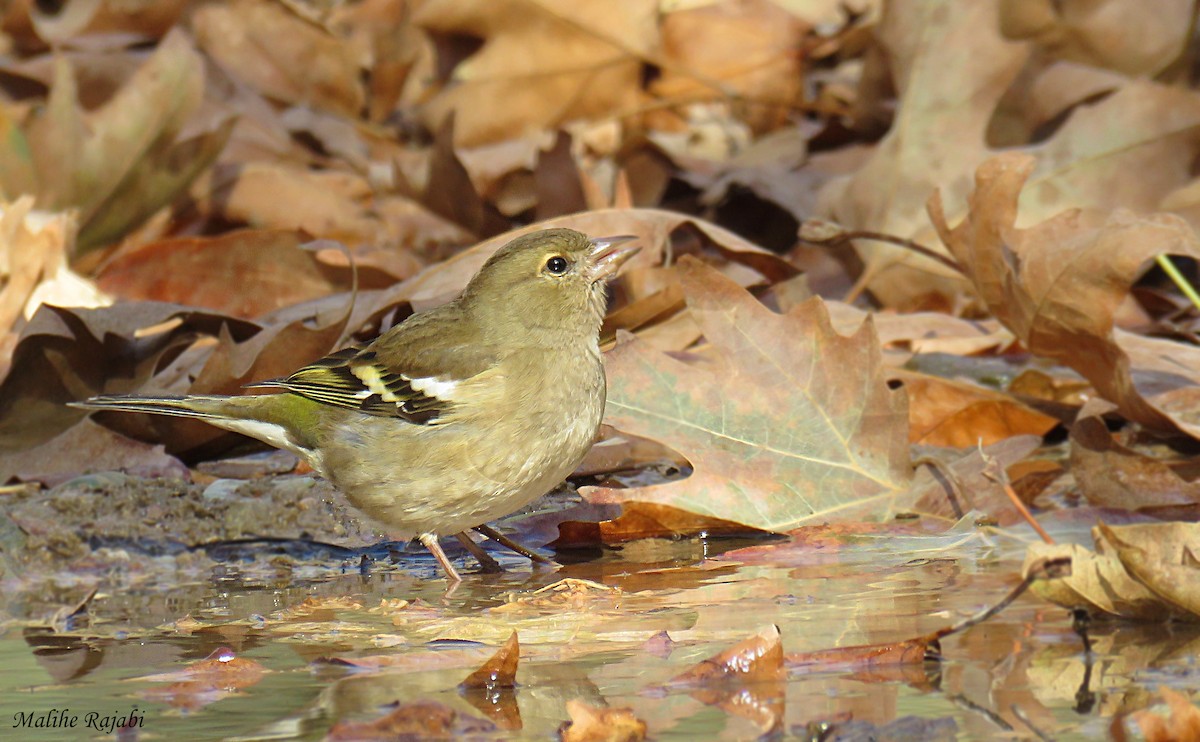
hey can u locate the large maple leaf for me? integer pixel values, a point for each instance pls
(785, 422)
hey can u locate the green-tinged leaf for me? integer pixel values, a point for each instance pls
(122, 161)
(788, 424)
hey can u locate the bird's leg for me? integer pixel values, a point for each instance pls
(508, 543)
(430, 541)
(489, 565)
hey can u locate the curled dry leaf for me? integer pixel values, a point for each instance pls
(1113, 475)
(1165, 557)
(500, 670)
(1057, 286)
(1098, 584)
(1143, 572)
(790, 423)
(951, 65)
(34, 249)
(591, 724)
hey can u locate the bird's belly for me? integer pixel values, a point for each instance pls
(451, 479)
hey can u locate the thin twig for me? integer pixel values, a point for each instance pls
(863, 234)
(993, 471)
(1039, 570)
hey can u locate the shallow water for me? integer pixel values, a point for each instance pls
(1022, 670)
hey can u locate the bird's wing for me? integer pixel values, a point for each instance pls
(411, 372)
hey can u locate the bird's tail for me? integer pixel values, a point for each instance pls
(281, 420)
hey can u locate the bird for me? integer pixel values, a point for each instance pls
(459, 415)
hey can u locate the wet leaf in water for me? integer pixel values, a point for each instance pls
(1182, 721)
(591, 724)
(646, 520)
(567, 594)
(659, 645)
(757, 659)
(219, 675)
(869, 656)
(416, 720)
(499, 671)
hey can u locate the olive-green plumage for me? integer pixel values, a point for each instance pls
(458, 415)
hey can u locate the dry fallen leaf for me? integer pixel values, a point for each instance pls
(122, 161)
(1165, 557)
(285, 57)
(1113, 475)
(1057, 285)
(541, 64)
(951, 65)
(947, 412)
(787, 423)
(733, 52)
(197, 270)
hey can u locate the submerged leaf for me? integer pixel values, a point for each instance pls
(591, 724)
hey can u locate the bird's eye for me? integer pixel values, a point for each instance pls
(557, 265)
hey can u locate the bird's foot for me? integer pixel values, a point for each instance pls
(487, 564)
(430, 541)
(512, 545)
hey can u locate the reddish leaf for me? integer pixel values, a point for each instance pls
(499, 671)
(591, 724)
(757, 659)
(645, 520)
(416, 720)
(213, 272)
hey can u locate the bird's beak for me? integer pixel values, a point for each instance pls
(607, 256)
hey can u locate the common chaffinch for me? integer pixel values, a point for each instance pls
(460, 414)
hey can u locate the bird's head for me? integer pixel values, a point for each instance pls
(549, 282)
